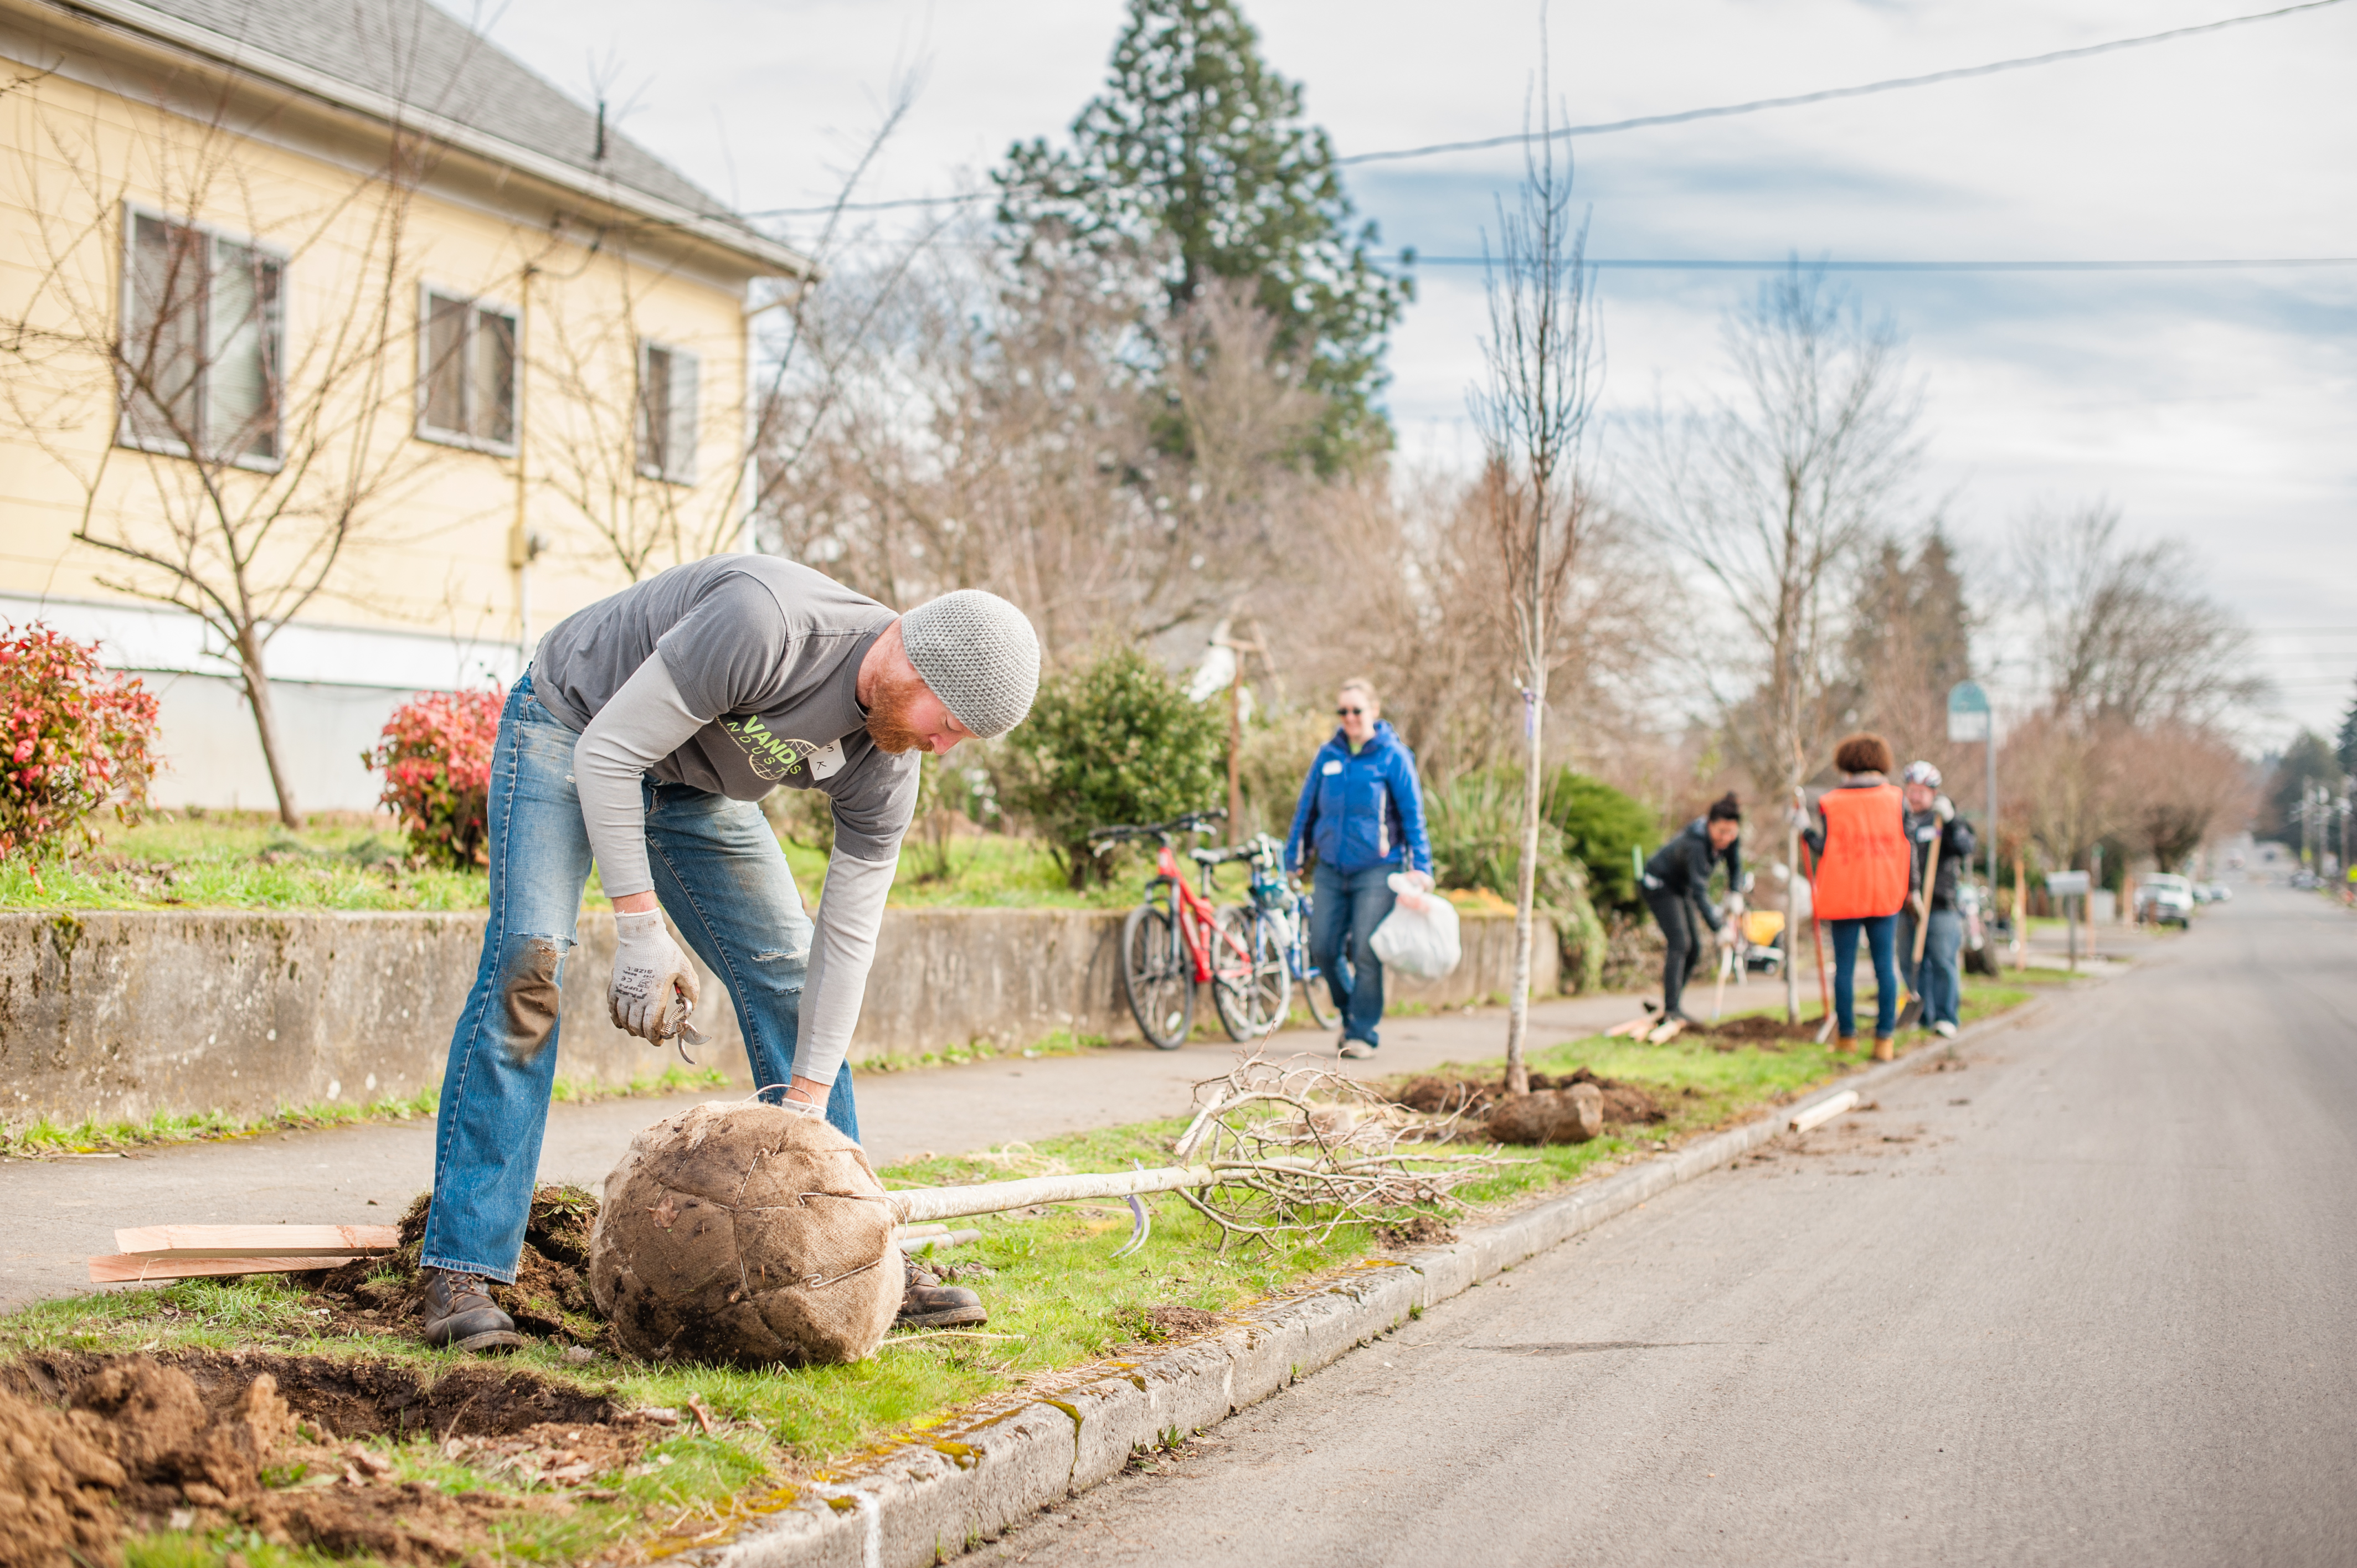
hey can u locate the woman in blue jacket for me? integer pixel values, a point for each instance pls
(1362, 811)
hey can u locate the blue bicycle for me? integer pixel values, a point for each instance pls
(1278, 920)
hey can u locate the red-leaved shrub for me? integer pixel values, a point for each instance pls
(73, 735)
(435, 755)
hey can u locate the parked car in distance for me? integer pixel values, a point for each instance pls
(2164, 900)
(2212, 893)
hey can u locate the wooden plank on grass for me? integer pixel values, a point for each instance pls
(123, 1268)
(256, 1240)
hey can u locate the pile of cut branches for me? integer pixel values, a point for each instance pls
(1297, 1148)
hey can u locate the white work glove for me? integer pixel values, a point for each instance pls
(1943, 808)
(1420, 880)
(1800, 817)
(648, 968)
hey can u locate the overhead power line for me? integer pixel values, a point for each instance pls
(1892, 84)
(1693, 264)
(1608, 127)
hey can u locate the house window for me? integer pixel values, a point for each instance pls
(667, 383)
(467, 371)
(201, 344)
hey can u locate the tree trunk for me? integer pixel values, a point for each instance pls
(1793, 885)
(265, 723)
(1518, 1002)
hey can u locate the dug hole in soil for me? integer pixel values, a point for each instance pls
(94, 1446)
(101, 1446)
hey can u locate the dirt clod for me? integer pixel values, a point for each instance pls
(57, 1485)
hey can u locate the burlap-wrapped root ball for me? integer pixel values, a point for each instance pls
(746, 1234)
(1570, 1115)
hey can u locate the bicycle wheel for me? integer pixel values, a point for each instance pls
(1252, 990)
(1314, 994)
(1157, 976)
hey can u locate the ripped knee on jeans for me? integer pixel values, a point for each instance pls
(529, 992)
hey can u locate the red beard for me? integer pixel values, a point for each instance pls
(888, 716)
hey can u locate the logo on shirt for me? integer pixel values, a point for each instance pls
(772, 757)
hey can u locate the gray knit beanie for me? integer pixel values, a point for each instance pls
(979, 655)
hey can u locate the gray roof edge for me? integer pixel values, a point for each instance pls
(767, 254)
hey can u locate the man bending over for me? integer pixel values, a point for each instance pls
(643, 737)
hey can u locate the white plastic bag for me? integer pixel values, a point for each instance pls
(1419, 936)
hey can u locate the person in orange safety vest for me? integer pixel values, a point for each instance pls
(1863, 862)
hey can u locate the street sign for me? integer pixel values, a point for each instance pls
(2064, 884)
(1968, 711)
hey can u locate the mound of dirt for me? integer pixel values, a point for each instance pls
(1423, 1230)
(339, 1398)
(204, 1439)
(1624, 1104)
(57, 1485)
(550, 1298)
(1767, 1032)
(1176, 1322)
(746, 1234)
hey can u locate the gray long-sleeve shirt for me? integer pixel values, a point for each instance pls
(737, 674)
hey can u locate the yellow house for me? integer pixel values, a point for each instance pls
(337, 345)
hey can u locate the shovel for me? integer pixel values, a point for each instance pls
(1910, 1015)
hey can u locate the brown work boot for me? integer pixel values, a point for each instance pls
(1882, 1048)
(926, 1302)
(1845, 1044)
(460, 1313)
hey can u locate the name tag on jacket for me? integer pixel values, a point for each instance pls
(1332, 766)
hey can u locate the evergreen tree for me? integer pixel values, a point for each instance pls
(1195, 165)
(1909, 641)
(2307, 759)
(2345, 747)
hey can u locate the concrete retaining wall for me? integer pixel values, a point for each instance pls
(120, 1015)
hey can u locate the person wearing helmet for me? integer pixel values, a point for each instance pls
(1939, 978)
(642, 738)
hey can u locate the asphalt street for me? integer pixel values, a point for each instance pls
(66, 1210)
(2089, 1299)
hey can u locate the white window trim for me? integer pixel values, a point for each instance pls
(639, 411)
(124, 435)
(427, 290)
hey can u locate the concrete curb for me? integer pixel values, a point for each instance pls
(931, 1495)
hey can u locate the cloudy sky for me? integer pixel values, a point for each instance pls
(2217, 405)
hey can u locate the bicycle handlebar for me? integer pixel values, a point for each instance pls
(1186, 823)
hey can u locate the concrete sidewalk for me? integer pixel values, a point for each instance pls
(67, 1210)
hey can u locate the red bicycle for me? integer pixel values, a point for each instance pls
(1175, 940)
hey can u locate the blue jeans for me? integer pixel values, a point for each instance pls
(1938, 980)
(1350, 905)
(722, 879)
(1879, 930)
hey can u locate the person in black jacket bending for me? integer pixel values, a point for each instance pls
(1677, 883)
(1939, 979)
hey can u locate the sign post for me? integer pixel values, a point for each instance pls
(1970, 719)
(2071, 886)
